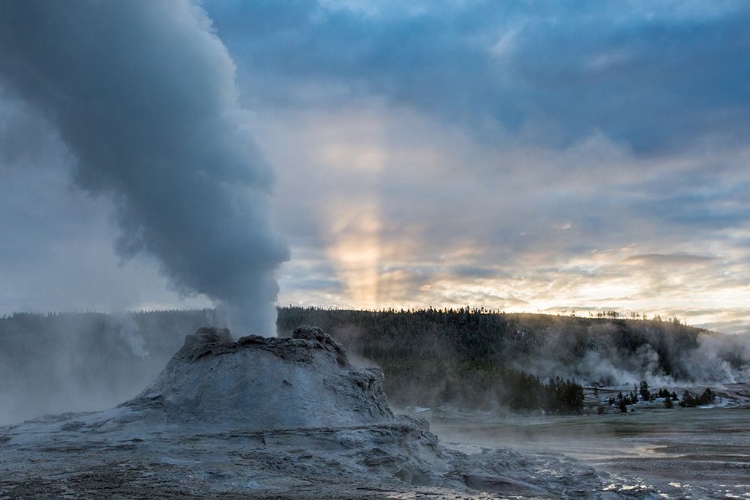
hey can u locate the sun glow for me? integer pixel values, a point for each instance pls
(354, 251)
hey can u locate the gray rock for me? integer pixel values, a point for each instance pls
(266, 383)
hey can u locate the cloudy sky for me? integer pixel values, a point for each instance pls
(519, 156)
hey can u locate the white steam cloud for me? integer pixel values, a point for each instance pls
(143, 94)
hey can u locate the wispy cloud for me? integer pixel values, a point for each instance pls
(674, 259)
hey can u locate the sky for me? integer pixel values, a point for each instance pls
(540, 156)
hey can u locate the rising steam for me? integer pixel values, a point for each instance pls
(143, 94)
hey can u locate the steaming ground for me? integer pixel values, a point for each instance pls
(690, 453)
(272, 418)
(93, 361)
(136, 450)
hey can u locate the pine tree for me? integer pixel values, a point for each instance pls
(645, 393)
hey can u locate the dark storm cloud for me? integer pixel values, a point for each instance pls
(655, 77)
(143, 95)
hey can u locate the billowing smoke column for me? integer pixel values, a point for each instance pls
(143, 94)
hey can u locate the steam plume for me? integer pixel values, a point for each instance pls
(143, 93)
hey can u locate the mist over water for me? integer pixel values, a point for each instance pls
(143, 94)
(663, 354)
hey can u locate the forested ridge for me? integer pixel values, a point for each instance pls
(524, 361)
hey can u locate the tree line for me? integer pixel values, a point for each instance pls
(479, 358)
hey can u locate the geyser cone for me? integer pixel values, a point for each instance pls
(266, 383)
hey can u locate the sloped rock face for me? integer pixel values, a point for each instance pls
(266, 383)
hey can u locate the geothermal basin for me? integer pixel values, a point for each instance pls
(289, 418)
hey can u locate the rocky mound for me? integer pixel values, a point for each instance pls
(266, 383)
